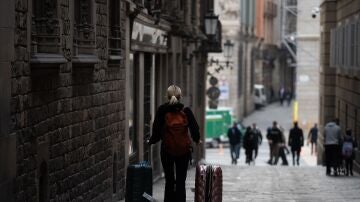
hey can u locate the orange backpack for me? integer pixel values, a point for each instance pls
(176, 137)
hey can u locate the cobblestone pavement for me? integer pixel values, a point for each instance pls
(278, 183)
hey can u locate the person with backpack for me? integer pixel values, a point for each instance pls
(235, 137)
(296, 141)
(348, 152)
(171, 125)
(332, 140)
(249, 144)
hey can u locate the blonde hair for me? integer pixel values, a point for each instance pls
(173, 94)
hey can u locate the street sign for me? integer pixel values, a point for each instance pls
(213, 93)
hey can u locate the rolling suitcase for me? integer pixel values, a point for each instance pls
(200, 183)
(138, 181)
(208, 183)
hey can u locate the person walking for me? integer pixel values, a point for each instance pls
(235, 137)
(283, 151)
(288, 96)
(312, 138)
(276, 138)
(171, 125)
(332, 140)
(296, 141)
(348, 152)
(268, 137)
(282, 95)
(249, 144)
(258, 138)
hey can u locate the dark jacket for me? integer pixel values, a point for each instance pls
(250, 141)
(275, 135)
(234, 136)
(296, 138)
(159, 122)
(258, 136)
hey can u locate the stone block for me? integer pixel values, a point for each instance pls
(21, 21)
(21, 5)
(7, 45)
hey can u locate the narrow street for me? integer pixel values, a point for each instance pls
(263, 118)
(262, 182)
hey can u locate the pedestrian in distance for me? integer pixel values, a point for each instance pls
(348, 153)
(312, 138)
(282, 95)
(258, 138)
(296, 141)
(235, 137)
(268, 137)
(276, 139)
(288, 96)
(249, 144)
(171, 125)
(283, 151)
(332, 141)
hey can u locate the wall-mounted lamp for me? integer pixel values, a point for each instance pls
(211, 22)
(228, 49)
(228, 53)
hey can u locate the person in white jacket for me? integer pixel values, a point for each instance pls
(332, 141)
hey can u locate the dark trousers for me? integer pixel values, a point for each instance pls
(249, 155)
(332, 157)
(296, 153)
(168, 162)
(349, 165)
(283, 156)
(313, 147)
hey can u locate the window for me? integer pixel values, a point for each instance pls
(333, 46)
(84, 36)
(132, 105)
(353, 45)
(344, 46)
(114, 29)
(45, 31)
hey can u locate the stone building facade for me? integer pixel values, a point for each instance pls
(308, 61)
(340, 66)
(80, 82)
(229, 15)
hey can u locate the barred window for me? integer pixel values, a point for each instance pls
(114, 29)
(333, 46)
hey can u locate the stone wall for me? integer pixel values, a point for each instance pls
(68, 115)
(340, 95)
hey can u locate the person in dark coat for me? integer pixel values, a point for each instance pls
(296, 141)
(249, 144)
(258, 138)
(235, 137)
(312, 137)
(174, 187)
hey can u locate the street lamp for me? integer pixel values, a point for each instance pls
(211, 21)
(228, 49)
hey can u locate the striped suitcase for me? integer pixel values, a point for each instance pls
(208, 183)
